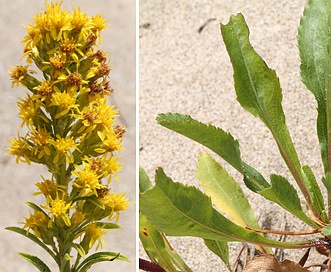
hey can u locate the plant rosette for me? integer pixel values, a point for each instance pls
(222, 213)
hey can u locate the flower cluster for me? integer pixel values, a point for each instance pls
(71, 129)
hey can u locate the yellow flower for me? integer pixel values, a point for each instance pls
(40, 137)
(93, 234)
(119, 203)
(21, 149)
(77, 217)
(96, 114)
(45, 89)
(80, 21)
(110, 142)
(114, 203)
(49, 188)
(17, 74)
(110, 166)
(74, 82)
(64, 146)
(64, 101)
(53, 22)
(87, 180)
(37, 221)
(58, 208)
(33, 37)
(99, 24)
(57, 63)
(29, 109)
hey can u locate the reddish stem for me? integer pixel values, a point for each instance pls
(149, 266)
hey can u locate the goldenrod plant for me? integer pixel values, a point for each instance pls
(72, 131)
(176, 209)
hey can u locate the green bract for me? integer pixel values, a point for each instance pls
(180, 210)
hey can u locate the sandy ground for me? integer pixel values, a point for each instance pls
(17, 181)
(182, 70)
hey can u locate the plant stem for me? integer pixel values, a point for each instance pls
(149, 266)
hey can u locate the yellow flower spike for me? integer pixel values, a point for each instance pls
(70, 129)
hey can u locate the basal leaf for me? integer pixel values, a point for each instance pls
(327, 182)
(327, 231)
(314, 45)
(180, 210)
(284, 194)
(315, 192)
(225, 193)
(259, 92)
(221, 249)
(157, 247)
(36, 262)
(144, 182)
(217, 140)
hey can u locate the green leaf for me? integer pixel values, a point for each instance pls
(315, 192)
(327, 231)
(36, 207)
(144, 182)
(92, 199)
(259, 92)
(33, 238)
(225, 193)
(106, 225)
(99, 257)
(180, 210)
(327, 182)
(36, 262)
(284, 194)
(79, 249)
(221, 249)
(217, 140)
(158, 248)
(314, 45)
